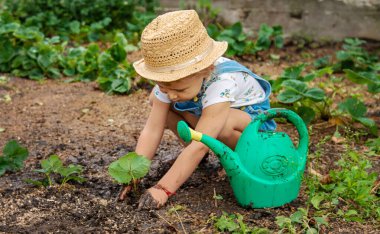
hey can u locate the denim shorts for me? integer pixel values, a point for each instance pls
(255, 110)
(195, 108)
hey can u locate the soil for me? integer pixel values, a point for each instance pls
(83, 125)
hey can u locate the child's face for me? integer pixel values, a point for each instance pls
(186, 88)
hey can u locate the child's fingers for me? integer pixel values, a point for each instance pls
(147, 201)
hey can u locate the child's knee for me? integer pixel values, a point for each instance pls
(227, 132)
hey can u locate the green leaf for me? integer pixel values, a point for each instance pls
(16, 153)
(130, 166)
(121, 40)
(74, 27)
(283, 221)
(7, 52)
(297, 217)
(4, 166)
(106, 63)
(316, 200)
(289, 96)
(311, 230)
(354, 107)
(370, 123)
(321, 221)
(26, 34)
(293, 73)
(52, 164)
(295, 85)
(70, 170)
(306, 113)
(7, 28)
(118, 52)
(315, 94)
(38, 183)
(355, 77)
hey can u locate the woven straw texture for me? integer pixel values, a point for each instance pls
(175, 45)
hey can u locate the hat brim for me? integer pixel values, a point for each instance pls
(219, 49)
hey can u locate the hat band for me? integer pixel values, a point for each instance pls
(180, 66)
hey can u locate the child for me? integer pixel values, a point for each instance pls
(215, 95)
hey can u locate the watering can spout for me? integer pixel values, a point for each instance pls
(228, 158)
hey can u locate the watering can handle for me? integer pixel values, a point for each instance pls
(292, 117)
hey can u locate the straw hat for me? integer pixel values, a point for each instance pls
(175, 45)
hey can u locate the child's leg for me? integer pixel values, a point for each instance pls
(237, 121)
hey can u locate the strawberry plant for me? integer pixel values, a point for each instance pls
(238, 41)
(115, 71)
(129, 168)
(13, 157)
(269, 35)
(54, 165)
(82, 20)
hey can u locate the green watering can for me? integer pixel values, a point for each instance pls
(266, 169)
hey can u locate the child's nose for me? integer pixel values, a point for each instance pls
(172, 95)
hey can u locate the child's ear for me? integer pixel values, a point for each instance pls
(211, 68)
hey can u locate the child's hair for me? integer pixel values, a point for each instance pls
(176, 45)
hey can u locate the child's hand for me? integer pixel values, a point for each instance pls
(153, 198)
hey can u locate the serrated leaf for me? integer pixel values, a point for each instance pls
(354, 107)
(70, 170)
(130, 166)
(297, 217)
(316, 94)
(118, 53)
(306, 113)
(7, 52)
(321, 221)
(52, 164)
(16, 153)
(289, 96)
(316, 200)
(295, 85)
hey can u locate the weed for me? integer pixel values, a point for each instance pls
(349, 193)
(357, 111)
(301, 218)
(233, 223)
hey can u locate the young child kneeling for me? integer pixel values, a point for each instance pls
(214, 95)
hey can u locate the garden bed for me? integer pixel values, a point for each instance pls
(83, 125)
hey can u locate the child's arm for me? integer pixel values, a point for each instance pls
(212, 121)
(151, 135)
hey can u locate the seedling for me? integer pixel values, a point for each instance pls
(13, 157)
(301, 217)
(233, 223)
(53, 165)
(217, 198)
(128, 169)
(350, 187)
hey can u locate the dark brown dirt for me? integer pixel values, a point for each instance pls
(85, 126)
